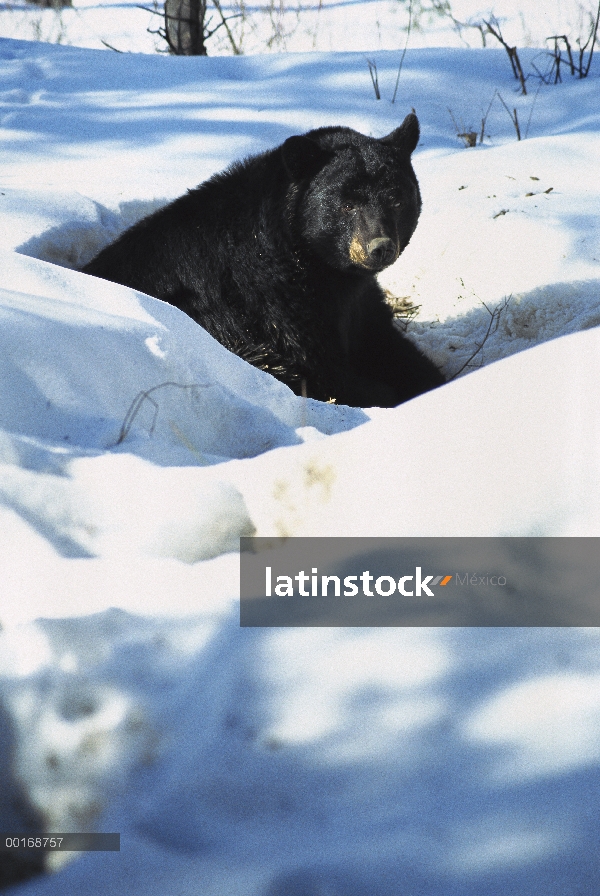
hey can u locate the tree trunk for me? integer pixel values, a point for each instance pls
(184, 26)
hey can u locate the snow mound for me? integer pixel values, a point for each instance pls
(64, 228)
(134, 450)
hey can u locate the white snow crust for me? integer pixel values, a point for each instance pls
(135, 451)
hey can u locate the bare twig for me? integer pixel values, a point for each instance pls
(224, 19)
(492, 328)
(579, 68)
(146, 395)
(493, 26)
(513, 116)
(570, 55)
(374, 78)
(557, 57)
(531, 110)
(484, 119)
(592, 38)
(544, 78)
(109, 46)
(478, 26)
(481, 30)
(453, 119)
(410, 15)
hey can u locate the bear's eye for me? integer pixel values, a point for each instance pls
(397, 203)
(348, 208)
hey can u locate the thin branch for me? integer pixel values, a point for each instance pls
(484, 119)
(593, 39)
(543, 78)
(494, 323)
(109, 46)
(512, 52)
(513, 116)
(458, 25)
(374, 78)
(453, 120)
(558, 54)
(410, 15)
(581, 69)
(138, 401)
(217, 4)
(531, 110)
(208, 32)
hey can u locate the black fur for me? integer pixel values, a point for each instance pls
(276, 257)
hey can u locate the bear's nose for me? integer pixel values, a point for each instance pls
(381, 251)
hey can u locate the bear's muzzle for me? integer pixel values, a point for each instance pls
(381, 252)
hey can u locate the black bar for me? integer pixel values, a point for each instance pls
(17, 842)
(420, 582)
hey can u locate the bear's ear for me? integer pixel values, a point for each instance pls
(406, 136)
(302, 157)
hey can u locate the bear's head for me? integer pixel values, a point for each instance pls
(356, 198)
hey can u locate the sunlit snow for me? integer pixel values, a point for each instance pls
(135, 451)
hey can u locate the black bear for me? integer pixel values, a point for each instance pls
(277, 258)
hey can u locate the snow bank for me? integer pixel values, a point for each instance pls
(135, 450)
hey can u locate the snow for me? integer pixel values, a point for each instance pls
(135, 451)
(325, 25)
